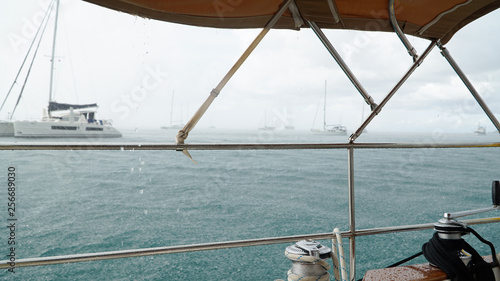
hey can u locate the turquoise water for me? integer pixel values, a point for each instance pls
(71, 202)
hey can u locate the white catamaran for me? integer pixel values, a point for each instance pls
(63, 120)
(67, 121)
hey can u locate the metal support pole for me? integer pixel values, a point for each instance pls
(352, 222)
(411, 51)
(183, 133)
(368, 99)
(356, 134)
(469, 85)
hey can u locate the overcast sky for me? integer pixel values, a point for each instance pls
(132, 66)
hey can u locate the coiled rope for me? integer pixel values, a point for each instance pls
(443, 254)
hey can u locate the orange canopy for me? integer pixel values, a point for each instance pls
(429, 19)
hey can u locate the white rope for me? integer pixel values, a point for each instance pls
(311, 259)
(335, 259)
(337, 246)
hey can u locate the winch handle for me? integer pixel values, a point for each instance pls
(496, 204)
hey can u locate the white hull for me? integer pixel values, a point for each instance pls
(172, 127)
(6, 129)
(480, 131)
(61, 129)
(329, 132)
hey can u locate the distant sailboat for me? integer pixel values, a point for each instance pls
(289, 124)
(337, 129)
(173, 125)
(266, 124)
(480, 130)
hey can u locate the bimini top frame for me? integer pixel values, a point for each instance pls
(436, 21)
(428, 19)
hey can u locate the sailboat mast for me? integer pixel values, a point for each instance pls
(324, 110)
(52, 59)
(171, 108)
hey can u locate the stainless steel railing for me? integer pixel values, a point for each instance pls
(220, 245)
(258, 146)
(351, 234)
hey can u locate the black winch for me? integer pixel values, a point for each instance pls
(449, 251)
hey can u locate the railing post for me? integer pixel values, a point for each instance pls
(352, 223)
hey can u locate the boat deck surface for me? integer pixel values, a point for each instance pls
(417, 272)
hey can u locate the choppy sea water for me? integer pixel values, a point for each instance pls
(72, 202)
